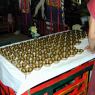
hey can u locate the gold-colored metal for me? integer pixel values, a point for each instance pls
(33, 54)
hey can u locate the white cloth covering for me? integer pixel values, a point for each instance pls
(20, 82)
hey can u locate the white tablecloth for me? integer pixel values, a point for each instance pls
(20, 82)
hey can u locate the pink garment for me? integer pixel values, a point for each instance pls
(91, 7)
(91, 88)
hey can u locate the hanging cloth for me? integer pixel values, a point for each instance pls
(63, 15)
(58, 18)
(24, 6)
(51, 23)
(62, 9)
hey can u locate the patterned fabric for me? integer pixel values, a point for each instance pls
(24, 5)
(62, 8)
(91, 7)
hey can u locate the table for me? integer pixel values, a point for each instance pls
(20, 82)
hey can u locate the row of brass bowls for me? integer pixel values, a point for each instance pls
(34, 54)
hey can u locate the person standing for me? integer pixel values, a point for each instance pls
(91, 46)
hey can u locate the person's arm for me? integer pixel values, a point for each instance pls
(91, 35)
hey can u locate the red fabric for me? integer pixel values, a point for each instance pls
(91, 7)
(4, 90)
(91, 89)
